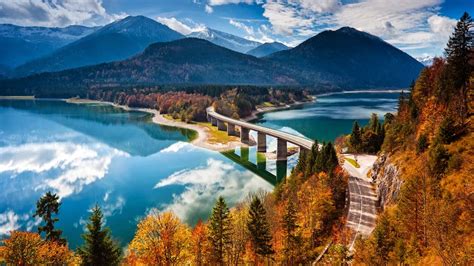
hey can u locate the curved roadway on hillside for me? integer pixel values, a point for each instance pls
(362, 197)
(297, 140)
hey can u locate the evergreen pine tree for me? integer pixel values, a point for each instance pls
(259, 229)
(220, 231)
(311, 159)
(356, 137)
(374, 123)
(459, 53)
(46, 206)
(438, 159)
(99, 247)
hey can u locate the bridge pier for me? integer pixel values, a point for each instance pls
(213, 121)
(230, 129)
(282, 150)
(261, 142)
(244, 135)
(221, 125)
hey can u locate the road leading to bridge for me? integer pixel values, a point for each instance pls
(362, 212)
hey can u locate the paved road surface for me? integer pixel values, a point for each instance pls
(362, 211)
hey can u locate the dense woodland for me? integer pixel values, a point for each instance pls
(431, 141)
(189, 104)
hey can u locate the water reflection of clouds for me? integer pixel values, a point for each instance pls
(205, 183)
(73, 165)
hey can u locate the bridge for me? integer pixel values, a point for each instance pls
(228, 124)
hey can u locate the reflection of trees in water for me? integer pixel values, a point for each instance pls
(260, 168)
(131, 132)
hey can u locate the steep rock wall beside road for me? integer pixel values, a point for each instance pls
(386, 176)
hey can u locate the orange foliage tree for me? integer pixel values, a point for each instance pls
(161, 239)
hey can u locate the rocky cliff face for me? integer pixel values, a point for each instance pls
(386, 177)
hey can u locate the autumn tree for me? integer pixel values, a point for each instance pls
(45, 208)
(259, 229)
(54, 253)
(220, 228)
(239, 234)
(292, 240)
(21, 248)
(200, 244)
(99, 248)
(161, 239)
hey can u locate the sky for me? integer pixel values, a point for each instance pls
(418, 27)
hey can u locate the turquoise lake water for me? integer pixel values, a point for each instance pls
(332, 115)
(97, 154)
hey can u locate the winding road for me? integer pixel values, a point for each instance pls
(362, 197)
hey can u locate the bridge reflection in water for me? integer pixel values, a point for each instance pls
(261, 165)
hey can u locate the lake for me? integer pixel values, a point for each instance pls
(97, 154)
(332, 115)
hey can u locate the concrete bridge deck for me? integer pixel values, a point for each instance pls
(226, 123)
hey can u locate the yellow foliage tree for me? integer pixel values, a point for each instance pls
(22, 248)
(26, 248)
(161, 239)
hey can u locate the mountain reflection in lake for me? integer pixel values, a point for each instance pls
(92, 154)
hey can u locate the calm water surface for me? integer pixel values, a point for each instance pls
(332, 115)
(92, 154)
(97, 154)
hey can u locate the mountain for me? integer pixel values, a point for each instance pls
(190, 61)
(226, 40)
(19, 44)
(116, 41)
(342, 59)
(426, 60)
(350, 59)
(267, 48)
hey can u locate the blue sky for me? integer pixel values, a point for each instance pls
(419, 27)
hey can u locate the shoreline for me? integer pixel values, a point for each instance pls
(201, 140)
(255, 114)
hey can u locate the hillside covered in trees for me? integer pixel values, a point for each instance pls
(429, 221)
(189, 104)
(341, 59)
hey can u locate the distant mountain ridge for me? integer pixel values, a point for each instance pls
(226, 40)
(184, 61)
(344, 59)
(349, 58)
(116, 41)
(20, 44)
(267, 49)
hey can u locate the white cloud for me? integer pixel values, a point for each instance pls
(176, 147)
(205, 184)
(226, 2)
(78, 165)
(10, 221)
(55, 12)
(181, 27)
(208, 9)
(242, 26)
(113, 207)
